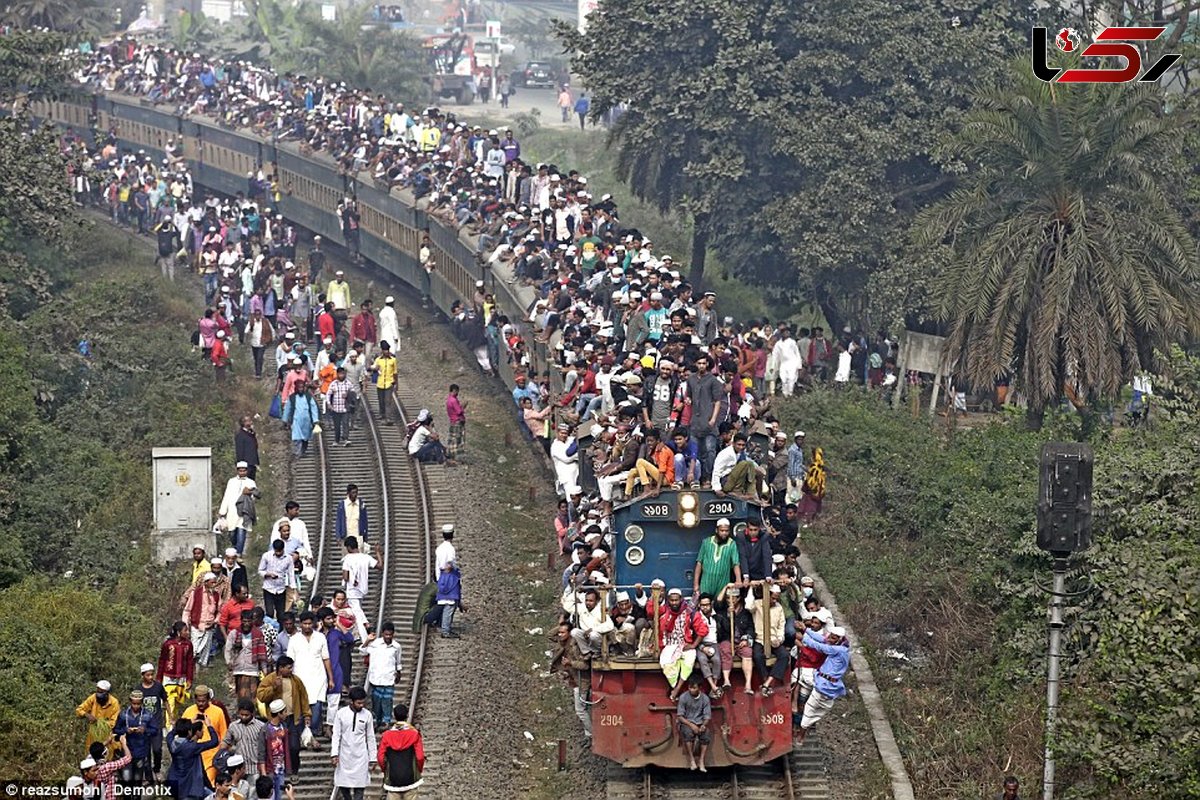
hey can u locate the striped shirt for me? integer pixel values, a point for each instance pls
(339, 391)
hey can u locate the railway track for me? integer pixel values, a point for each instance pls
(799, 775)
(402, 522)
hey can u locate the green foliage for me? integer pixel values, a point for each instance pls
(30, 63)
(57, 640)
(799, 145)
(928, 544)
(76, 466)
(1068, 261)
(294, 38)
(90, 16)
(528, 122)
(535, 33)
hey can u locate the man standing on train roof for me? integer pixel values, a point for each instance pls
(718, 556)
(828, 682)
(680, 630)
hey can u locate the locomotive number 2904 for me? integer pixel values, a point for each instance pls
(719, 508)
(611, 720)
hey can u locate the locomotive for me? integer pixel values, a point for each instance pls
(633, 720)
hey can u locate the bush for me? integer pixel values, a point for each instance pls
(928, 544)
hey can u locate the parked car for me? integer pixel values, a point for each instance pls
(535, 74)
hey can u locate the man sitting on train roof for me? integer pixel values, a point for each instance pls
(735, 473)
(681, 628)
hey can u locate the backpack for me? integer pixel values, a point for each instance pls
(221, 761)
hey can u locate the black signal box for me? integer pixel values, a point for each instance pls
(1064, 512)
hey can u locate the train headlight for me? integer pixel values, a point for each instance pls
(634, 534)
(688, 501)
(689, 519)
(635, 556)
(739, 528)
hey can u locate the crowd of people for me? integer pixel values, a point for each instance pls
(291, 682)
(626, 376)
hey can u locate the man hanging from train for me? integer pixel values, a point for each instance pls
(680, 630)
(828, 682)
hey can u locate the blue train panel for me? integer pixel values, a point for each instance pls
(659, 537)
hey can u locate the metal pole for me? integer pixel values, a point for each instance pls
(1056, 624)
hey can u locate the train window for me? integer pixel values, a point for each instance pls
(635, 556)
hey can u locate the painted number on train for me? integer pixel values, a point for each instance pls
(611, 720)
(656, 510)
(771, 719)
(719, 508)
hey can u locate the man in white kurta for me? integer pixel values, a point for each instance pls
(233, 521)
(353, 747)
(564, 452)
(309, 649)
(389, 325)
(788, 357)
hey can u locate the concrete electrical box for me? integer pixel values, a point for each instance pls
(182, 501)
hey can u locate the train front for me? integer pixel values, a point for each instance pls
(633, 719)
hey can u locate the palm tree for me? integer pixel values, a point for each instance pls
(59, 15)
(1069, 262)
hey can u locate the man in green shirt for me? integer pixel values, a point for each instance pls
(718, 556)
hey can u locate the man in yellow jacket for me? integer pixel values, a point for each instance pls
(204, 709)
(101, 710)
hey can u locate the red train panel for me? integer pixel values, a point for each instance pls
(633, 723)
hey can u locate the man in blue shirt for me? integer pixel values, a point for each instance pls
(828, 683)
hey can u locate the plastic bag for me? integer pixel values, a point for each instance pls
(306, 737)
(276, 411)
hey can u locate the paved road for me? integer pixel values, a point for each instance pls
(525, 100)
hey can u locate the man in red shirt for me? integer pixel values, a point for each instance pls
(808, 661)
(326, 322)
(220, 356)
(456, 410)
(230, 615)
(176, 669)
(680, 630)
(401, 757)
(363, 329)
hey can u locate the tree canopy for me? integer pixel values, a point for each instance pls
(802, 144)
(1068, 262)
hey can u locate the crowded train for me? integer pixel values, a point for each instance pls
(685, 620)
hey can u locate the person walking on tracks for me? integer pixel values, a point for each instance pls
(828, 683)
(384, 370)
(352, 746)
(401, 757)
